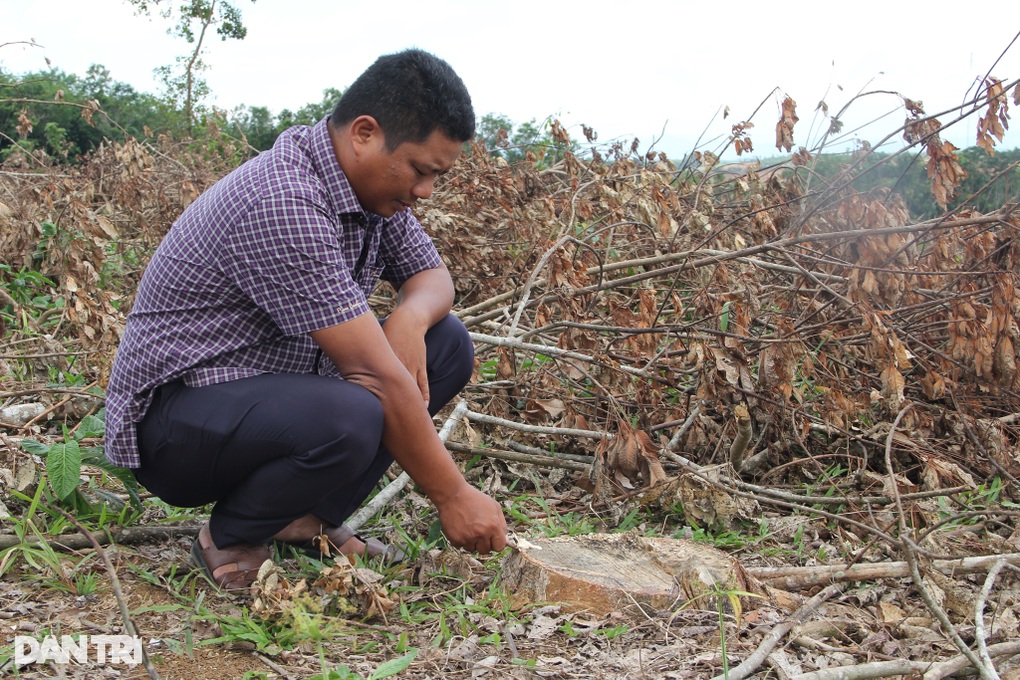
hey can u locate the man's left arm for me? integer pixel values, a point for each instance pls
(422, 301)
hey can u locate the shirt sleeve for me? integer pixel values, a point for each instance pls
(405, 249)
(286, 256)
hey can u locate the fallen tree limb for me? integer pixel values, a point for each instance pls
(115, 534)
(524, 448)
(886, 669)
(535, 429)
(381, 499)
(796, 578)
(959, 663)
(52, 390)
(517, 457)
(875, 669)
(548, 350)
(980, 635)
(757, 658)
(842, 500)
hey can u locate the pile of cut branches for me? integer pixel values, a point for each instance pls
(628, 295)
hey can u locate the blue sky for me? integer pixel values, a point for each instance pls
(650, 69)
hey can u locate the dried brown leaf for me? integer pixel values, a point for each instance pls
(784, 128)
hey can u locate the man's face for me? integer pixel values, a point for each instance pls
(387, 182)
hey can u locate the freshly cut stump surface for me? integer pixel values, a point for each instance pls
(602, 573)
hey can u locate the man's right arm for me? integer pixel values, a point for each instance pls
(360, 351)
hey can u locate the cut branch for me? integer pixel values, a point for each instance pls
(751, 664)
(798, 578)
(393, 489)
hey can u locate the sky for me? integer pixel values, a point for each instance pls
(659, 71)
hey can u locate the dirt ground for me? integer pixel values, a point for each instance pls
(176, 610)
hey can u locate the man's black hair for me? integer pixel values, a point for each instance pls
(410, 94)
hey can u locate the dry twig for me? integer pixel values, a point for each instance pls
(129, 625)
(751, 664)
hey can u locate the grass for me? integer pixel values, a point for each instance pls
(335, 625)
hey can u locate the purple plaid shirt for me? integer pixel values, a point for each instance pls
(271, 252)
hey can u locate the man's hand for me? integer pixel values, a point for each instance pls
(407, 340)
(472, 520)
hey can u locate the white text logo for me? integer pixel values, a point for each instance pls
(108, 649)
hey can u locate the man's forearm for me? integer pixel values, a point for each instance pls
(358, 349)
(426, 298)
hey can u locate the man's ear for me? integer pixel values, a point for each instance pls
(364, 131)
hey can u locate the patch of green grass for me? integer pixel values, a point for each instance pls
(552, 523)
(724, 540)
(32, 547)
(186, 585)
(266, 636)
(966, 508)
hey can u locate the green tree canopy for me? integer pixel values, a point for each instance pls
(502, 137)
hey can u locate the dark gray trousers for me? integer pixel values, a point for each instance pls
(270, 449)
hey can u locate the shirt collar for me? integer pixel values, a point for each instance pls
(328, 168)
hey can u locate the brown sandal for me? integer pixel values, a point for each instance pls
(343, 540)
(232, 568)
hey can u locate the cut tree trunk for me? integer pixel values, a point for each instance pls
(602, 573)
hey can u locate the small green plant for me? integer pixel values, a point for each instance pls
(386, 669)
(555, 523)
(304, 620)
(723, 594)
(613, 632)
(65, 378)
(78, 580)
(186, 585)
(32, 297)
(245, 628)
(64, 461)
(86, 584)
(632, 520)
(27, 287)
(32, 546)
(984, 497)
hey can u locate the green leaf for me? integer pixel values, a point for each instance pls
(393, 666)
(63, 467)
(32, 446)
(126, 477)
(90, 426)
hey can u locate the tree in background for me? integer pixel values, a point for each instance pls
(257, 126)
(65, 115)
(991, 180)
(192, 20)
(514, 142)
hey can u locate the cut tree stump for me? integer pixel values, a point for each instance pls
(603, 573)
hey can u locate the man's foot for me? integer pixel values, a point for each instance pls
(325, 541)
(233, 568)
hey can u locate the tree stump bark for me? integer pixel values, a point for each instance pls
(602, 573)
